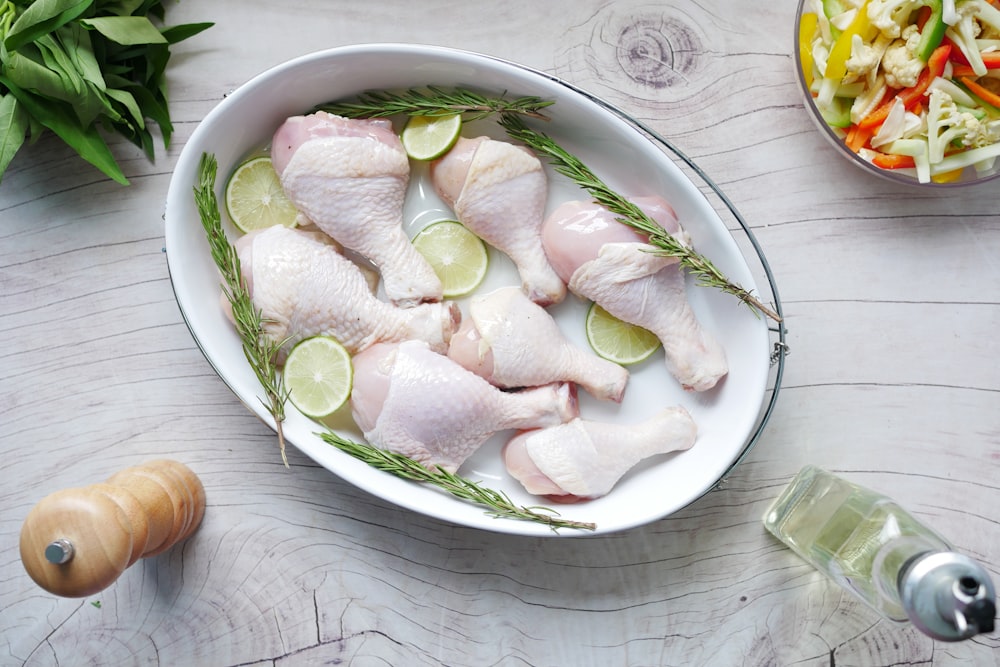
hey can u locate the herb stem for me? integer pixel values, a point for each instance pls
(259, 349)
(629, 214)
(435, 101)
(261, 352)
(460, 487)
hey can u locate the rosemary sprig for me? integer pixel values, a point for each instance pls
(260, 350)
(460, 487)
(261, 353)
(435, 101)
(570, 166)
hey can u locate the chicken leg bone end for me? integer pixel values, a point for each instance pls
(586, 458)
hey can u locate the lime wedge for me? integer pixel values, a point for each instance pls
(318, 376)
(458, 257)
(430, 137)
(618, 341)
(255, 199)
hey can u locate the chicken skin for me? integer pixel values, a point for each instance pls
(607, 262)
(584, 459)
(413, 401)
(498, 190)
(513, 342)
(304, 287)
(350, 178)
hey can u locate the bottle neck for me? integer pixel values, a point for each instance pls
(948, 596)
(893, 561)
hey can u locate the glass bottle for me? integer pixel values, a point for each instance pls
(877, 550)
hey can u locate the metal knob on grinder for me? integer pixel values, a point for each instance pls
(78, 541)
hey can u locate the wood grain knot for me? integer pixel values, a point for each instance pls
(658, 51)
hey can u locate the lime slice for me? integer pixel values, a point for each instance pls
(458, 256)
(618, 341)
(255, 199)
(430, 137)
(318, 376)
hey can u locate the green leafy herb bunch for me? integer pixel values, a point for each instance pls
(82, 68)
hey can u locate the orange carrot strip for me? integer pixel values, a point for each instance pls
(889, 161)
(857, 137)
(982, 92)
(912, 95)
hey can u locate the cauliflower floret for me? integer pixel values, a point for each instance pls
(964, 34)
(985, 14)
(900, 63)
(942, 121)
(865, 58)
(891, 16)
(947, 123)
(979, 133)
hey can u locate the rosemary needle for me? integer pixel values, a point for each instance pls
(261, 351)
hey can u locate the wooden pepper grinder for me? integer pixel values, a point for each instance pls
(76, 542)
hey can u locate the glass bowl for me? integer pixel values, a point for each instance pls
(862, 159)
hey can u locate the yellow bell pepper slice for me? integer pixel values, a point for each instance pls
(947, 176)
(836, 64)
(807, 29)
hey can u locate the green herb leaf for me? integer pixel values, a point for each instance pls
(13, 126)
(120, 7)
(55, 58)
(75, 41)
(179, 33)
(63, 122)
(31, 74)
(127, 30)
(86, 99)
(127, 100)
(152, 108)
(42, 17)
(79, 67)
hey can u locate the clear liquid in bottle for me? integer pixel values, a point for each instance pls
(874, 548)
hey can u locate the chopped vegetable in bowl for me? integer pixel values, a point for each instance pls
(910, 88)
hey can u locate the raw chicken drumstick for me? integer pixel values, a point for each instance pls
(513, 342)
(304, 287)
(607, 262)
(498, 190)
(350, 177)
(413, 401)
(585, 459)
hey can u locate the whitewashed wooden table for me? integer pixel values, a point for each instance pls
(892, 304)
